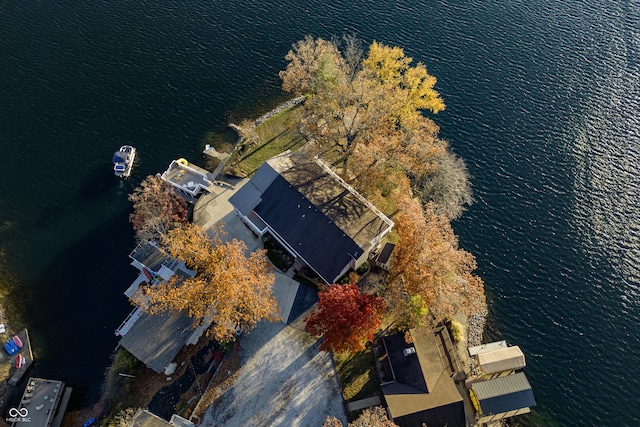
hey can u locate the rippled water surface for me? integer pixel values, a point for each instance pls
(542, 102)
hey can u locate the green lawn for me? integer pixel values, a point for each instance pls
(277, 134)
(357, 373)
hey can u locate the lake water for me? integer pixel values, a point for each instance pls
(542, 102)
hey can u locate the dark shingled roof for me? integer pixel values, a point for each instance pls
(386, 252)
(422, 392)
(324, 246)
(313, 210)
(250, 194)
(504, 394)
(156, 339)
(343, 206)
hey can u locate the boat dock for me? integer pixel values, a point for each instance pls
(26, 352)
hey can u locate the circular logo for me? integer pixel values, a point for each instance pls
(22, 412)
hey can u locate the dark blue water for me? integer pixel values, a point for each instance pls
(542, 102)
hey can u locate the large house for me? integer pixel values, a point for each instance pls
(313, 213)
(156, 339)
(417, 382)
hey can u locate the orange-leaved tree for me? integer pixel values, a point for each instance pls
(157, 208)
(346, 318)
(231, 290)
(429, 263)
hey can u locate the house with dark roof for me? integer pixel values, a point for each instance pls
(416, 382)
(313, 213)
(156, 339)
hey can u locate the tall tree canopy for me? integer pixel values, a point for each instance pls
(368, 112)
(350, 98)
(230, 288)
(346, 318)
(428, 263)
(157, 208)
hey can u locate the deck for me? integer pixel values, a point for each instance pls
(188, 178)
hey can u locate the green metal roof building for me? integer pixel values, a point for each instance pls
(503, 394)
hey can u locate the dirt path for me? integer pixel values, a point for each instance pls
(283, 381)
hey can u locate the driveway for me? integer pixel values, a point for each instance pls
(284, 380)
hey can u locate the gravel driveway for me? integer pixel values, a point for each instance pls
(284, 381)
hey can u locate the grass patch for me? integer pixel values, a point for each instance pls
(124, 392)
(357, 373)
(277, 134)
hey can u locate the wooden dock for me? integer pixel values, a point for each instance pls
(28, 355)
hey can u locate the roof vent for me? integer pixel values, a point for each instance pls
(409, 351)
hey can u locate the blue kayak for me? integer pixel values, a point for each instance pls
(11, 348)
(89, 422)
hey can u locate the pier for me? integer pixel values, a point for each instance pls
(26, 353)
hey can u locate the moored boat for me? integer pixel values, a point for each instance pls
(123, 161)
(11, 347)
(19, 361)
(17, 341)
(89, 422)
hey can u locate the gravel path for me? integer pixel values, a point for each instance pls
(283, 381)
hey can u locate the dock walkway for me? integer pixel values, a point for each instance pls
(28, 356)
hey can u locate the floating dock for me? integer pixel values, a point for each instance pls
(25, 351)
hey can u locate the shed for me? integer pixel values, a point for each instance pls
(503, 394)
(504, 359)
(383, 259)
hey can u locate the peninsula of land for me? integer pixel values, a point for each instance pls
(310, 275)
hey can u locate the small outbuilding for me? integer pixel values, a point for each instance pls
(503, 359)
(503, 395)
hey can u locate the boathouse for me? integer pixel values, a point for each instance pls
(314, 214)
(502, 397)
(504, 359)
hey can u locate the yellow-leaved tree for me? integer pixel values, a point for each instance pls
(352, 98)
(231, 289)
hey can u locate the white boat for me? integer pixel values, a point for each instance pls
(123, 161)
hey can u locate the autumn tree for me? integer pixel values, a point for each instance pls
(157, 209)
(429, 263)
(346, 318)
(230, 288)
(350, 100)
(332, 421)
(447, 187)
(375, 416)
